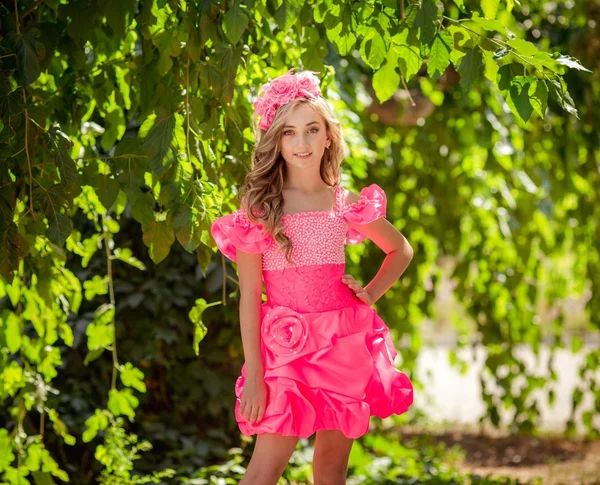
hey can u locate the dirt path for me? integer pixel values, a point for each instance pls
(556, 460)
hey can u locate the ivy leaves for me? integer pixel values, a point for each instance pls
(29, 52)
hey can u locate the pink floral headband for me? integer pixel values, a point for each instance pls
(282, 90)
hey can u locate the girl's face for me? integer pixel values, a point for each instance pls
(304, 138)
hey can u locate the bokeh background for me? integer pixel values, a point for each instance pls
(125, 129)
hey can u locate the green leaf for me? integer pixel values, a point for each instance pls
(163, 137)
(200, 329)
(373, 49)
(43, 478)
(132, 377)
(59, 228)
(539, 97)
(50, 199)
(340, 32)
(523, 47)
(126, 255)
(119, 14)
(162, 40)
(33, 460)
(461, 5)
(10, 249)
(426, 20)
(158, 237)
(386, 79)
(470, 68)
(230, 60)
(235, 22)
(97, 285)
(66, 333)
(571, 62)
(193, 45)
(29, 52)
(122, 402)
(11, 379)
(66, 167)
(6, 454)
(186, 223)
(93, 355)
(107, 190)
(97, 422)
(100, 336)
(287, 14)
(101, 331)
(561, 95)
(12, 333)
(519, 93)
(490, 8)
(490, 25)
(439, 58)
(490, 67)
(320, 10)
(407, 54)
(60, 427)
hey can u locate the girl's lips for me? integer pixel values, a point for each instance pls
(304, 156)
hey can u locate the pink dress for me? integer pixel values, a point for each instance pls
(328, 358)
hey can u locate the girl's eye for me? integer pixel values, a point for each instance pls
(316, 130)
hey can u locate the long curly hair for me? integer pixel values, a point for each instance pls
(261, 195)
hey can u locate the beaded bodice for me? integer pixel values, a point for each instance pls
(312, 280)
(317, 238)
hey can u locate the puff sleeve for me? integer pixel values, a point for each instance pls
(371, 206)
(237, 231)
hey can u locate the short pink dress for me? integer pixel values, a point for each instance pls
(328, 357)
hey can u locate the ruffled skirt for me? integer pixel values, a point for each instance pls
(327, 370)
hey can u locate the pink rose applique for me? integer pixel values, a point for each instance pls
(284, 330)
(308, 84)
(282, 90)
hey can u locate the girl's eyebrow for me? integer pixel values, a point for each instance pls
(307, 124)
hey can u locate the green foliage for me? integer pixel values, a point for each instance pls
(374, 459)
(128, 123)
(118, 453)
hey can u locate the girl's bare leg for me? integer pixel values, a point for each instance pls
(330, 461)
(271, 455)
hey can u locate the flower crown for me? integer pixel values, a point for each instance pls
(282, 90)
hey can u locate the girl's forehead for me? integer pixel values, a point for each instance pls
(303, 114)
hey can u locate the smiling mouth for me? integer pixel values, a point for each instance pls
(305, 155)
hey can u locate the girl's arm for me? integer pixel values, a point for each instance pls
(399, 254)
(397, 248)
(250, 278)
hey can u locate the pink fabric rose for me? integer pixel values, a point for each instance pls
(282, 90)
(308, 84)
(284, 331)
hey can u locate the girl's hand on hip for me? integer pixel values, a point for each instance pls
(254, 399)
(358, 290)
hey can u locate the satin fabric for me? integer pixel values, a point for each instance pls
(328, 359)
(326, 370)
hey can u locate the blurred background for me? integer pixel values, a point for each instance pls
(125, 129)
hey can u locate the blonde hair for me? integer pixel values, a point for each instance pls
(261, 195)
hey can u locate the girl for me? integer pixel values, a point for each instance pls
(318, 358)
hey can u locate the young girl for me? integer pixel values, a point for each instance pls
(318, 357)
